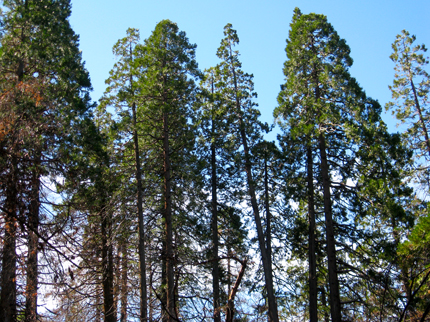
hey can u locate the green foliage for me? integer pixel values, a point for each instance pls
(367, 165)
(46, 128)
(410, 90)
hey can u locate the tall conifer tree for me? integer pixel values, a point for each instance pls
(167, 92)
(323, 106)
(45, 96)
(410, 93)
(237, 91)
(122, 93)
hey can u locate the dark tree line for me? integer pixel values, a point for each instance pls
(164, 201)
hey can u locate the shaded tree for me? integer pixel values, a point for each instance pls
(44, 97)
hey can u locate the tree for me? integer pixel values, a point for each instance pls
(215, 144)
(167, 92)
(44, 97)
(415, 260)
(122, 91)
(410, 91)
(236, 88)
(210, 121)
(322, 106)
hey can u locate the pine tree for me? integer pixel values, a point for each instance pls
(323, 106)
(236, 88)
(45, 90)
(410, 92)
(167, 92)
(122, 93)
(217, 144)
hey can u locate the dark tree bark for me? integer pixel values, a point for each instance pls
(267, 268)
(33, 243)
(335, 307)
(268, 213)
(170, 291)
(214, 225)
(124, 283)
(8, 274)
(107, 267)
(420, 114)
(142, 255)
(313, 295)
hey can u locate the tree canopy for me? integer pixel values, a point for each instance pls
(165, 201)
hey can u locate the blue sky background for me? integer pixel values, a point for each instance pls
(369, 28)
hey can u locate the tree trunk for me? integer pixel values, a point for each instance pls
(116, 277)
(8, 274)
(164, 313)
(268, 213)
(423, 124)
(229, 316)
(151, 297)
(335, 307)
(267, 268)
(107, 267)
(214, 224)
(426, 312)
(142, 255)
(168, 230)
(33, 243)
(124, 283)
(313, 295)
(269, 234)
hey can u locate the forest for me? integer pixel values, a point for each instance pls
(163, 201)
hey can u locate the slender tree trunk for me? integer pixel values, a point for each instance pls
(423, 124)
(273, 309)
(8, 273)
(410, 294)
(313, 295)
(268, 213)
(116, 278)
(177, 314)
(214, 224)
(229, 254)
(267, 268)
(335, 307)
(107, 267)
(124, 282)
(232, 294)
(170, 303)
(268, 226)
(151, 298)
(164, 313)
(142, 255)
(33, 242)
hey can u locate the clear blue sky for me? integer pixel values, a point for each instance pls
(369, 27)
